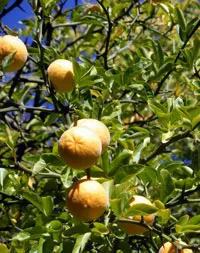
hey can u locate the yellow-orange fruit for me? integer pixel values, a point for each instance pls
(79, 147)
(168, 247)
(61, 75)
(99, 128)
(10, 44)
(131, 228)
(86, 200)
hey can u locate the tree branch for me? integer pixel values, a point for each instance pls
(177, 57)
(163, 146)
(9, 9)
(105, 54)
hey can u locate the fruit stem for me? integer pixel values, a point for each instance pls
(75, 120)
(88, 173)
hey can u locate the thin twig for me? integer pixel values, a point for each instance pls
(105, 54)
(163, 146)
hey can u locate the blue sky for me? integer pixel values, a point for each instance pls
(13, 18)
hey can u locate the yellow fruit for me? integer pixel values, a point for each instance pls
(86, 200)
(79, 147)
(131, 228)
(10, 44)
(99, 128)
(61, 75)
(168, 247)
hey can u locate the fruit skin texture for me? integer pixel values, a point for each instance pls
(10, 44)
(99, 128)
(168, 247)
(79, 147)
(86, 200)
(61, 75)
(133, 229)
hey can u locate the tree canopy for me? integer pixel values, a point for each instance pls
(137, 69)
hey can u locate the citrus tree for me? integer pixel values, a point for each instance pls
(133, 66)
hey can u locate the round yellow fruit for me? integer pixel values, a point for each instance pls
(99, 128)
(133, 229)
(10, 44)
(61, 75)
(79, 147)
(86, 200)
(168, 247)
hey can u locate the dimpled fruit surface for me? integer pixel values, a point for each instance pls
(12, 44)
(86, 200)
(79, 147)
(61, 75)
(99, 128)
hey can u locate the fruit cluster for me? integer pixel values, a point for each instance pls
(60, 71)
(80, 147)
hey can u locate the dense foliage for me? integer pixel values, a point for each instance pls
(137, 69)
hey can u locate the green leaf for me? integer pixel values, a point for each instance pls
(80, 228)
(52, 159)
(158, 53)
(188, 229)
(22, 236)
(183, 220)
(166, 67)
(141, 209)
(108, 186)
(3, 174)
(117, 206)
(38, 167)
(3, 4)
(194, 220)
(164, 215)
(33, 198)
(47, 205)
(180, 18)
(166, 185)
(7, 61)
(54, 226)
(3, 248)
(105, 162)
(156, 107)
(157, 203)
(167, 136)
(40, 245)
(49, 120)
(48, 245)
(81, 242)
(118, 161)
(66, 177)
(101, 228)
(139, 148)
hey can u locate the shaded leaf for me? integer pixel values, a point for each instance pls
(81, 242)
